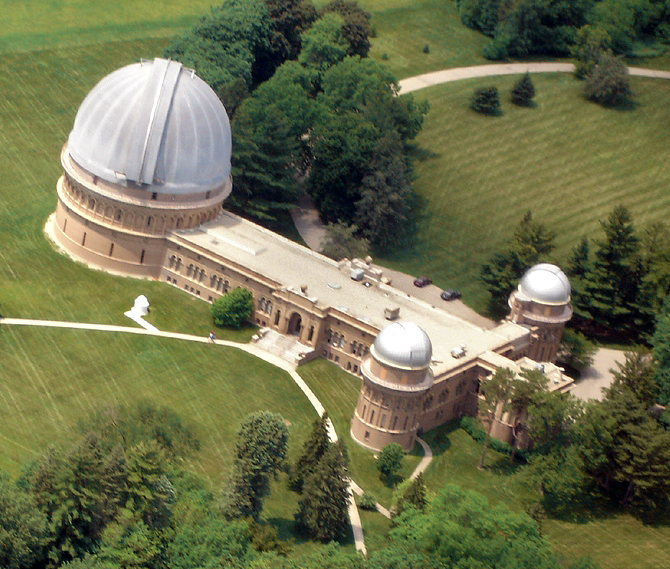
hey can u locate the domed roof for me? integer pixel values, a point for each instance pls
(153, 124)
(403, 345)
(546, 283)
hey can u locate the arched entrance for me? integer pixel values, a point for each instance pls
(295, 324)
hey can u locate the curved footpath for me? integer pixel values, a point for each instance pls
(457, 73)
(354, 517)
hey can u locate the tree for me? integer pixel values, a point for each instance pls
(637, 373)
(341, 242)
(260, 451)
(494, 400)
(356, 29)
(23, 528)
(608, 83)
(617, 275)
(485, 100)
(234, 308)
(661, 351)
(323, 45)
(578, 268)
(289, 19)
(312, 451)
(384, 210)
(551, 420)
(224, 45)
(532, 242)
(389, 460)
(342, 146)
(323, 509)
(576, 351)
(590, 42)
(413, 497)
(523, 91)
(461, 529)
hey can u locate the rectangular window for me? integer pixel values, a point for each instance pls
(83, 240)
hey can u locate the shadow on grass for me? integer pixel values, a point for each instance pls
(438, 439)
(287, 531)
(421, 154)
(503, 467)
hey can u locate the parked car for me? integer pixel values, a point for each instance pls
(422, 281)
(450, 294)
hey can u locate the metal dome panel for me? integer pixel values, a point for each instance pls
(153, 124)
(546, 284)
(403, 345)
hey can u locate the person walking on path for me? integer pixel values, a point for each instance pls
(211, 336)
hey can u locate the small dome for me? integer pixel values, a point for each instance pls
(546, 284)
(155, 125)
(403, 345)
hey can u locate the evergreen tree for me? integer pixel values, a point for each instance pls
(661, 351)
(23, 528)
(323, 509)
(532, 242)
(637, 374)
(523, 91)
(260, 451)
(312, 451)
(485, 100)
(617, 275)
(414, 496)
(578, 268)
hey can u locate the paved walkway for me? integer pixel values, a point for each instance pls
(417, 82)
(307, 222)
(598, 376)
(250, 349)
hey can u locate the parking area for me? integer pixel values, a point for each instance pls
(431, 294)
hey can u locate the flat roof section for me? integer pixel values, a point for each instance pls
(249, 245)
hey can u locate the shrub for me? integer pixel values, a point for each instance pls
(426, 48)
(233, 309)
(485, 100)
(367, 502)
(477, 432)
(389, 460)
(523, 91)
(608, 83)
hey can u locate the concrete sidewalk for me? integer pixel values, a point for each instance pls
(417, 82)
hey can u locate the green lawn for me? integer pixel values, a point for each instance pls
(35, 24)
(338, 392)
(53, 378)
(568, 160)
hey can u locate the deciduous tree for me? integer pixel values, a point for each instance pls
(494, 400)
(389, 460)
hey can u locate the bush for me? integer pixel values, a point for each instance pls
(523, 91)
(608, 83)
(485, 100)
(389, 460)
(233, 309)
(426, 48)
(367, 502)
(474, 428)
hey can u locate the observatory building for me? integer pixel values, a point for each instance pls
(146, 171)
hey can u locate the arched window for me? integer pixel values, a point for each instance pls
(342, 341)
(189, 271)
(261, 305)
(311, 333)
(268, 307)
(353, 347)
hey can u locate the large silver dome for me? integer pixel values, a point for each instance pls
(545, 283)
(403, 345)
(156, 125)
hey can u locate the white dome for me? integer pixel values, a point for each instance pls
(403, 345)
(546, 284)
(155, 125)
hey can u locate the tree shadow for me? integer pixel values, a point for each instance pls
(420, 153)
(504, 467)
(438, 439)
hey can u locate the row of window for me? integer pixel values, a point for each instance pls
(265, 305)
(131, 220)
(338, 340)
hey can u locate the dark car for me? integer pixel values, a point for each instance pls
(450, 294)
(422, 281)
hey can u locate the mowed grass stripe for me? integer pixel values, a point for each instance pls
(78, 372)
(568, 160)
